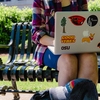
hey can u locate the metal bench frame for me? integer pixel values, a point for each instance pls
(21, 51)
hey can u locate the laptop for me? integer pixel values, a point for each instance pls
(76, 32)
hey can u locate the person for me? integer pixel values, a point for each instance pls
(77, 89)
(70, 66)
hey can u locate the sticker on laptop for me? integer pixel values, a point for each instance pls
(65, 47)
(68, 39)
(77, 20)
(92, 20)
(98, 45)
(87, 37)
(63, 24)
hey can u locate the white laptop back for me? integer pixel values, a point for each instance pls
(76, 32)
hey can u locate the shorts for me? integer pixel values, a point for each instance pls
(50, 59)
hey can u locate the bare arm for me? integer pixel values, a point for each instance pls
(39, 34)
(47, 40)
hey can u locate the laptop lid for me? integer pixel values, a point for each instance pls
(76, 32)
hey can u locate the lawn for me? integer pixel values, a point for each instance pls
(35, 86)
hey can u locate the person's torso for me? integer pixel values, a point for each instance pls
(61, 6)
(50, 8)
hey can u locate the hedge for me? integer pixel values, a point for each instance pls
(10, 15)
(94, 5)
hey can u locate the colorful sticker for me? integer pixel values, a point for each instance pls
(98, 45)
(87, 37)
(68, 39)
(92, 20)
(77, 20)
(63, 24)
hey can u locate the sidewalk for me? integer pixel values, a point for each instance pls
(9, 96)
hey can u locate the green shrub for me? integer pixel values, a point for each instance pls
(94, 5)
(10, 15)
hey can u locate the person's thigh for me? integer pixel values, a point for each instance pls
(50, 59)
(88, 67)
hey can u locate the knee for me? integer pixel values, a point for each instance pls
(66, 60)
(88, 55)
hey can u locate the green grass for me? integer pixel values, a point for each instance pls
(35, 86)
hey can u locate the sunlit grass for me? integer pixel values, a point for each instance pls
(35, 86)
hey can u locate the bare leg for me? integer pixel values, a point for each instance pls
(67, 67)
(88, 67)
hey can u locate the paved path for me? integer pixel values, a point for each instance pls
(9, 96)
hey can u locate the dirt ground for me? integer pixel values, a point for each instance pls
(9, 96)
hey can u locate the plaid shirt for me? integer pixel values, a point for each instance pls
(43, 22)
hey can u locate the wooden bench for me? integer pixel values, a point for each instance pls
(21, 65)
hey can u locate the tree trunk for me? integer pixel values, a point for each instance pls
(64, 29)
